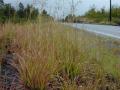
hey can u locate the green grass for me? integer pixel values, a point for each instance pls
(49, 49)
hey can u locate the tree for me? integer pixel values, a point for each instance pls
(35, 13)
(44, 13)
(31, 12)
(70, 18)
(1, 11)
(20, 12)
(103, 10)
(21, 6)
(27, 11)
(91, 12)
(9, 11)
(1, 3)
(1, 6)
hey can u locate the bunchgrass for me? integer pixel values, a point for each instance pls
(50, 49)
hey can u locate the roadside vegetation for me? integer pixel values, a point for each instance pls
(54, 56)
(97, 16)
(8, 13)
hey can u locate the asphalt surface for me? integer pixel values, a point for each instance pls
(107, 30)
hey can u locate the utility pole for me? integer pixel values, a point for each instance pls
(110, 16)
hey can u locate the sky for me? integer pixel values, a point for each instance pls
(62, 7)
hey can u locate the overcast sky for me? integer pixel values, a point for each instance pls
(65, 8)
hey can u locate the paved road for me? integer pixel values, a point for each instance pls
(112, 31)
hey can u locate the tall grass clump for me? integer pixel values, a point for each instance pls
(54, 56)
(44, 53)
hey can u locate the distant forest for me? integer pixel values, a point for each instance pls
(10, 13)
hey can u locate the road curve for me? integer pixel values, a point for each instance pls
(107, 30)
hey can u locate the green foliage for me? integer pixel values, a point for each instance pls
(70, 18)
(21, 12)
(9, 13)
(44, 13)
(97, 16)
(1, 3)
(102, 15)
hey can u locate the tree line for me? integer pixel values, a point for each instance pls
(93, 12)
(10, 13)
(96, 16)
